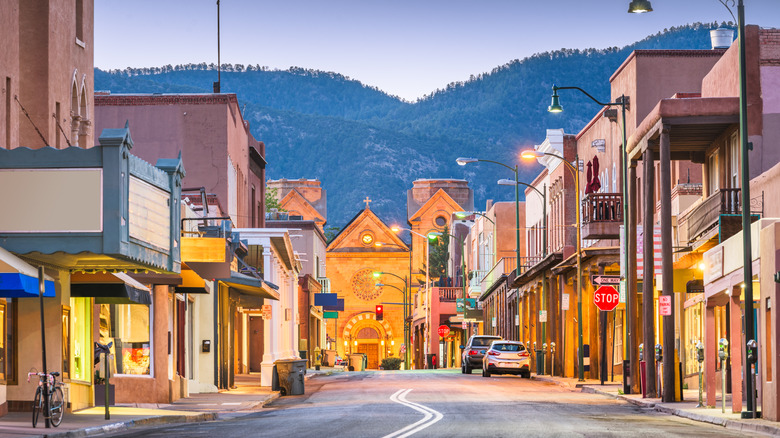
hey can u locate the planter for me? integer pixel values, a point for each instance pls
(100, 395)
(721, 38)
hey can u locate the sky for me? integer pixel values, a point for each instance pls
(407, 48)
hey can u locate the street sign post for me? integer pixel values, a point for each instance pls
(444, 330)
(665, 305)
(606, 298)
(542, 316)
(565, 302)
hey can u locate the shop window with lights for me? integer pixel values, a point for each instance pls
(65, 342)
(128, 326)
(81, 339)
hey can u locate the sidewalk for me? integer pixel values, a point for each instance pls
(247, 397)
(685, 409)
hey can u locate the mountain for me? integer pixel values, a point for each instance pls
(360, 141)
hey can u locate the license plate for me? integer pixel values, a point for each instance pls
(510, 365)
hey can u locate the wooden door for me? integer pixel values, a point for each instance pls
(372, 353)
(255, 343)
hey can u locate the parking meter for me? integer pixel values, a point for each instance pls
(641, 352)
(552, 362)
(700, 358)
(659, 354)
(752, 351)
(700, 352)
(544, 347)
(723, 346)
(552, 347)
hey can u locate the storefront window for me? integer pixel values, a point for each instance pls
(65, 342)
(81, 339)
(694, 333)
(128, 326)
(2, 340)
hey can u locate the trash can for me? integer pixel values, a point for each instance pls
(356, 362)
(328, 358)
(431, 361)
(539, 362)
(290, 372)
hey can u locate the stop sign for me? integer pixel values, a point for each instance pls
(606, 298)
(444, 330)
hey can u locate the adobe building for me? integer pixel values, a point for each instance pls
(301, 199)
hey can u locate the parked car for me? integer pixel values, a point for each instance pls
(506, 357)
(471, 356)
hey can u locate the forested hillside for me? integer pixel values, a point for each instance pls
(360, 141)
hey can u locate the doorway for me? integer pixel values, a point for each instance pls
(255, 343)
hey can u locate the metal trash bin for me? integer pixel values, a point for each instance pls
(356, 362)
(328, 358)
(290, 372)
(539, 362)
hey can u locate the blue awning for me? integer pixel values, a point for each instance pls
(19, 280)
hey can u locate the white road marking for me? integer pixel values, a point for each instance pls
(430, 416)
(231, 404)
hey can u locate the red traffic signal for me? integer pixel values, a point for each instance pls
(379, 312)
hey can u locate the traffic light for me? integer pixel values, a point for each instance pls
(379, 312)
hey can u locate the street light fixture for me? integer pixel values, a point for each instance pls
(531, 154)
(407, 295)
(463, 161)
(639, 7)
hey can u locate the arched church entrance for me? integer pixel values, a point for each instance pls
(367, 335)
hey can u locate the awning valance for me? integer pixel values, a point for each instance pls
(191, 283)
(116, 288)
(250, 286)
(18, 279)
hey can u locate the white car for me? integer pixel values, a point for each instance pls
(506, 357)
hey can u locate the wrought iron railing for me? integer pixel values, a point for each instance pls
(602, 207)
(696, 221)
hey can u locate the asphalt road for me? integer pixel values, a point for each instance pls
(441, 403)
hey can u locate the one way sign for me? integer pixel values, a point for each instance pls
(599, 280)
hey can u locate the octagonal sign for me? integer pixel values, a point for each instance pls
(606, 298)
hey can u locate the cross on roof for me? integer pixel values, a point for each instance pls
(367, 201)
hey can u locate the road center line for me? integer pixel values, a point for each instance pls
(430, 416)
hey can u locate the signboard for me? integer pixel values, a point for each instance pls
(622, 290)
(471, 303)
(325, 300)
(443, 330)
(565, 302)
(464, 325)
(713, 264)
(517, 319)
(542, 316)
(665, 305)
(339, 307)
(266, 311)
(606, 298)
(598, 280)
(330, 315)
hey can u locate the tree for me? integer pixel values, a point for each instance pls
(331, 233)
(440, 255)
(272, 200)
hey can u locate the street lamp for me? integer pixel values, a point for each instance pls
(397, 229)
(406, 293)
(463, 214)
(530, 154)
(543, 194)
(747, 244)
(462, 161)
(639, 7)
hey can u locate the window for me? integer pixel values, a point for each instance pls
(713, 184)
(3, 359)
(128, 326)
(768, 342)
(81, 339)
(9, 342)
(65, 342)
(80, 20)
(440, 221)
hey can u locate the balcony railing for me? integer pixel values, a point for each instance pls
(325, 282)
(505, 265)
(704, 216)
(450, 294)
(602, 214)
(527, 263)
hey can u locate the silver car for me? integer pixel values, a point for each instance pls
(506, 357)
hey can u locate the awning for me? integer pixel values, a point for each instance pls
(251, 286)
(191, 283)
(18, 279)
(116, 288)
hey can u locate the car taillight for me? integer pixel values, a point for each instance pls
(523, 354)
(473, 352)
(493, 353)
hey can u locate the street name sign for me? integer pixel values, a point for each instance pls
(606, 298)
(665, 305)
(599, 280)
(542, 316)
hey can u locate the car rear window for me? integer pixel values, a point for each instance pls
(482, 342)
(508, 347)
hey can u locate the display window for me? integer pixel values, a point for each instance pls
(128, 327)
(81, 339)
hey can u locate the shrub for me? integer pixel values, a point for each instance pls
(391, 363)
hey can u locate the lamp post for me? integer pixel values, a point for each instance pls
(396, 229)
(543, 194)
(751, 409)
(622, 102)
(529, 154)
(463, 214)
(462, 161)
(406, 292)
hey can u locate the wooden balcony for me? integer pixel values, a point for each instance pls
(602, 215)
(721, 210)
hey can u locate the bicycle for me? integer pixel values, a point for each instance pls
(56, 398)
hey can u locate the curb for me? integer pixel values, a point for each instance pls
(130, 424)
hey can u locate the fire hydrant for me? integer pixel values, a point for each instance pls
(317, 358)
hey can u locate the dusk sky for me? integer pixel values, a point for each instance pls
(407, 48)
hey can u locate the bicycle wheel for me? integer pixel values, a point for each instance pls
(36, 408)
(56, 406)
